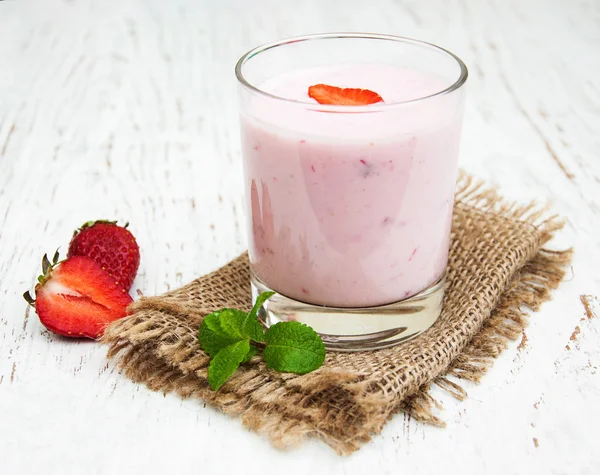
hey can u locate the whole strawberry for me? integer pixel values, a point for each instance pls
(112, 246)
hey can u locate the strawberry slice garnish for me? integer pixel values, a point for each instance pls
(346, 96)
(76, 298)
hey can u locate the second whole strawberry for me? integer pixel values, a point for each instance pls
(112, 246)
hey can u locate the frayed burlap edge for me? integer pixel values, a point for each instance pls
(528, 289)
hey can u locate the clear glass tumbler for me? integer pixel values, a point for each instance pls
(349, 208)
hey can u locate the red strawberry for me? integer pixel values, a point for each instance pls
(76, 298)
(325, 94)
(110, 245)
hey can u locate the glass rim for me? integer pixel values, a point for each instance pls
(460, 81)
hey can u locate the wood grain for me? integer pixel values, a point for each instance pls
(127, 109)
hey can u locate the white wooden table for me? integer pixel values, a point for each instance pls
(127, 109)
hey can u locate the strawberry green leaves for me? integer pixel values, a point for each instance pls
(232, 337)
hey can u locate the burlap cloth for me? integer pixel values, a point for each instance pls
(498, 267)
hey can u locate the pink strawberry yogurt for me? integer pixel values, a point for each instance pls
(350, 209)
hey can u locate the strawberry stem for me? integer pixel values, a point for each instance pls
(30, 300)
(89, 224)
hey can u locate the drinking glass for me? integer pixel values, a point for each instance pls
(349, 208)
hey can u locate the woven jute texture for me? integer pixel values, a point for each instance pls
(498, 268)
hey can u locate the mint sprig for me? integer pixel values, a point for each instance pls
(232, 337)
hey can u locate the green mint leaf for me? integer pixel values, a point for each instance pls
(236, 322)
(253, 328)
(253, 351)
(213, 337)
(260, 300)
(225, 362)
(232, 322)
(250, 325)
(293, 347)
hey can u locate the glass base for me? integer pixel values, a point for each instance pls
(357, 329)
